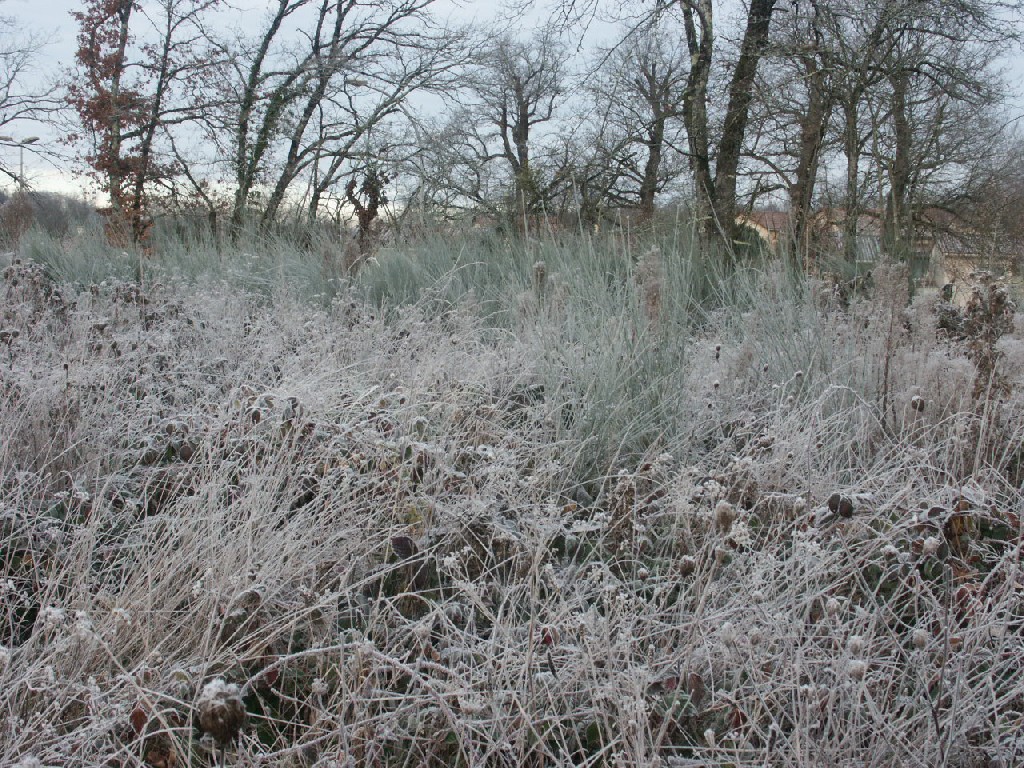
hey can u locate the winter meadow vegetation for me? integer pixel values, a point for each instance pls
(503, 501)
(430, 390)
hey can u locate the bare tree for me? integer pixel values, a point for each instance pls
(899, 90)
(907, 76)
(357, 133)
(451, 170)
(19, 101)
(991, 197)
(714, 152)
(309, 107)
(939, 84)
(518, 86)
(715, 177)
(634, 103)
(791, 116)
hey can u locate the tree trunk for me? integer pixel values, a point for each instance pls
(813, 127)
(652, 168)
(716, 196)
(140, 221)
(247, 157)
(698, 23)
(115, 163)
(851, 148)
(897, 216)
(741, 93)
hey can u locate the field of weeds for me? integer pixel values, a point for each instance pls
(512, 507)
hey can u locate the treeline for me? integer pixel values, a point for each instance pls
(349, 108)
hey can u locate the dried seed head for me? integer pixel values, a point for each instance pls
(930, 547)
(186, 451)
(687, 565)
(840, 505)
(728, 633)
(540, 276)
(857, 669)
(725, 515)
(917, 403)
(856, 645)
(221, 711)
(920, 639)
(53, 617)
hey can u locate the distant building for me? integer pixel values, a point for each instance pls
(944, 250)
(772, 227)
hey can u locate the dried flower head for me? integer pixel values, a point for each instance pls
(840, 505)
(53, 617)
(930, 546)
(725, 515)
(221, 711)
(540, 277)
(728, 633)
(857, 669)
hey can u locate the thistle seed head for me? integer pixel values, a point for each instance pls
(221, 711)
(920, 639)
(725, 516)
(857, 669)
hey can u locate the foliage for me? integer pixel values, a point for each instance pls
(107, 105)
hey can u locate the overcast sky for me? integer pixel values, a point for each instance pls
(52, 20)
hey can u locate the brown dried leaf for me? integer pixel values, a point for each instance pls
(139, 717)
(403, 546)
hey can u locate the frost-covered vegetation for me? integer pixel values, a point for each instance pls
(505, 504)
